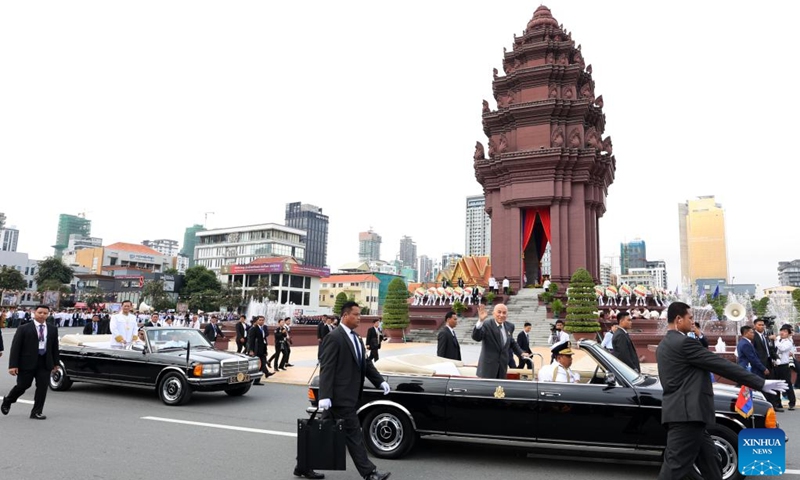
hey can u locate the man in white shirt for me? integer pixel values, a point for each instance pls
(786, 349)
(506, 285)
(195, 323)
(546, 283)
(559, 370)
(607, 338)
(123, 326)
(492, 284)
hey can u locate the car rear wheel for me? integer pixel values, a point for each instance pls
(238, 392)
(726, 443)
(173, 389)
(59, 381)
(388, 432)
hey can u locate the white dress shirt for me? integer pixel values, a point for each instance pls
(562, 337)
(555, 372)
(786, 349)
(124, 325)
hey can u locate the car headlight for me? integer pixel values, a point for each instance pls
(211, 370)
(253, 364)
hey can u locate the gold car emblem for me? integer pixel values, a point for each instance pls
(499, 393)
(240, 377)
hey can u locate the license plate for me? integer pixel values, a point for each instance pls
(239, 378)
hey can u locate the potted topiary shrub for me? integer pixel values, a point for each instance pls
(581, 320)
(557, 306)
(395, 310)
(459, 307)
(490, 298)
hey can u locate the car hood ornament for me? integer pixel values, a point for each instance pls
(499, 393)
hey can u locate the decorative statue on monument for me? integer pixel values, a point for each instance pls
(654, 294)
(611, 295)
(486, 107)
(641, 295)
(625, 292)
(598, 292)
(479, 155)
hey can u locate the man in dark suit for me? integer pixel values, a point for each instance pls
(447, 342)
(343, 367)
(688, 401)
(496, 337)
(622, 344)
(34, 354)
(762, 341)
(212, 330)
(374, 339)
(323, 328)
(280, 347)
(153, 321)
(96, 327)
(241, 335)
(748, 358)
(524, 342)
(257, 345)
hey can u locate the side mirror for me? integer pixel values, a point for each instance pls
(611, 380)
(139, 348)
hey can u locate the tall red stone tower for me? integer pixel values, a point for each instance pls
(548, 168)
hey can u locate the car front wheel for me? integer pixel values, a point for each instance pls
(726, 443)
(59, 381)
(388, 432)
(238, 392)
(173, 389)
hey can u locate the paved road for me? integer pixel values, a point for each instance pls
(107, 433)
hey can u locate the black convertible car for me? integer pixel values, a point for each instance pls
(173, 361)
(611, 406)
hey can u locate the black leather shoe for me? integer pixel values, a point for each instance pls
(308, 474)
(289, 365)
(269, 374)
(779, 409)
(376, 475)
(5, 407)
(38, 416)
(791, 408)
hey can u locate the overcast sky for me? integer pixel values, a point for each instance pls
(147, 114)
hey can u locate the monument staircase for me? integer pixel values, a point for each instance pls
(524, 307)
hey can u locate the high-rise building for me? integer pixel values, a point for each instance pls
(2, 220)
(605, 274)
(450, 259)
(632, 255)
(701, 225)
(310, 218)
(478, 228)
(242, 245)
(789, 273)
(163, 246)
(78, 242)
(425, 269)
(658, 270)
(369, 246)
(408, 253)
(8, 239)
(69, 225)
(190, 241)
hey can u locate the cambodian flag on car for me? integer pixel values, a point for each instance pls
(744, 404)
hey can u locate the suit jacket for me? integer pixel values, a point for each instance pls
(522, 341)
(493, 361)
(1, 340)
(102, 328)
(341, 377)
(256, 341)
(624, 350)
(25, 347)
(763, 351)
(210, 334)
(241, 331)
(373, 339)
(749, 358)
(447, 345)
(683, 366)
(322, 330)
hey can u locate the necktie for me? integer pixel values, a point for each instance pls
(455, 337)
(41, 339)
(503, 333)
(94, 328)
(357, 346)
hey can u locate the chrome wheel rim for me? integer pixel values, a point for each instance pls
(726, 456)
(172, 389)
(56, 377)
(386, 432)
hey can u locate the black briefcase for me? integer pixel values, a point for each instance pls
(320, 444)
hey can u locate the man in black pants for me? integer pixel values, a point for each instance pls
(34, 355)
(343, 367)
(688, 401)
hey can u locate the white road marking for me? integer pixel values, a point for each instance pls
(223, 427)
(20, 401)
(791, 472)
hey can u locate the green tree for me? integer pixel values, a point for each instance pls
(760, 307)
(53, 285)
(94, 296)
(12, 279)
(153, 294)
(341, 298)
(207, 301)
(200, 279)
(54, 270)
(581, 304)
(796, 299)
(171, 271)
(395, 311)
(718, 304)
(262, 290)
(231, 296)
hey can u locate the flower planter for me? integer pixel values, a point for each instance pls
(395, 335)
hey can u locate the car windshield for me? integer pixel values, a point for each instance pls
(162, 339)
(602, 356)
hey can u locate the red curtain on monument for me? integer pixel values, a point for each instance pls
(544, 216)
(530, 220)
(527, 228)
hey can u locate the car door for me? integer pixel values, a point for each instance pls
(128, 365)
(492, 408)
(582, 413)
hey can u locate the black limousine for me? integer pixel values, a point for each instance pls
(175, 362)
(612, 406)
